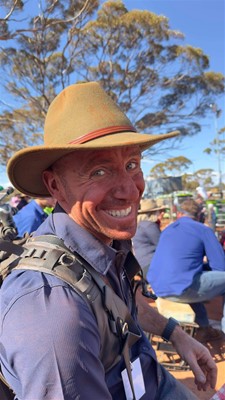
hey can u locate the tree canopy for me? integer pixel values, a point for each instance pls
(160, 83)
(172, 166)
(176, 167)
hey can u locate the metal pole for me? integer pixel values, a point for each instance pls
(218, 156)
(215, 111)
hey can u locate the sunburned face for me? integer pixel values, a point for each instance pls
(100, 190)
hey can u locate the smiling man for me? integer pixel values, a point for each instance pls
(51, 343)
(95, 200)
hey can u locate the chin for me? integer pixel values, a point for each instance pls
(122, 235)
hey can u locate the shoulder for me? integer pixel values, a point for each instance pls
(45, 302)
(28, 289)
(146, 224)
(54, 328)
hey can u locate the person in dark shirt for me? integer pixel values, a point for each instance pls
(148, 232)
(50, 341)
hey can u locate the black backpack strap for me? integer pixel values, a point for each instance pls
(121, 321)
(64, 264)
(6, 392)
(49, 254)
(128, 329)
(8, 247)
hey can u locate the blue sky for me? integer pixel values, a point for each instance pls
(203, 24)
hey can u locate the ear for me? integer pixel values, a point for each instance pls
(52, 183)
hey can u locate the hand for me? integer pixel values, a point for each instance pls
(198, 358)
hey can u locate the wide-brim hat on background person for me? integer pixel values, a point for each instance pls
(81, 117)
(151, 205)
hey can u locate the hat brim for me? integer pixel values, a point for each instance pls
(152, 210)
(25, 168)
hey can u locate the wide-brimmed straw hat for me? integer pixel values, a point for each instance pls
(81, 117)
(150, 205)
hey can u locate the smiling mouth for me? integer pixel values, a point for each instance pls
(119, 213)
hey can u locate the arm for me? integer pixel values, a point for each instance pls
(214, 251)
(153, 233)
(189, 349)
(51, 337)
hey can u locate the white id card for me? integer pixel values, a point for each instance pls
(138, 381)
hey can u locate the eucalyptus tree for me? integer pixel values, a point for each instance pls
(177, 167)
(174, 166)
(158, 81)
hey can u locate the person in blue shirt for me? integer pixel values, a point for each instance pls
(31, 216)
(189, 266)
(50, 341)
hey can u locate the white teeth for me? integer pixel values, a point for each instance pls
(119, 213)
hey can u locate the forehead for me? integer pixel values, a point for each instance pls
(96, 156)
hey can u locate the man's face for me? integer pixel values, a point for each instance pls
(101, 190)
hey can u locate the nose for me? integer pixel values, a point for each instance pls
(128, 187)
